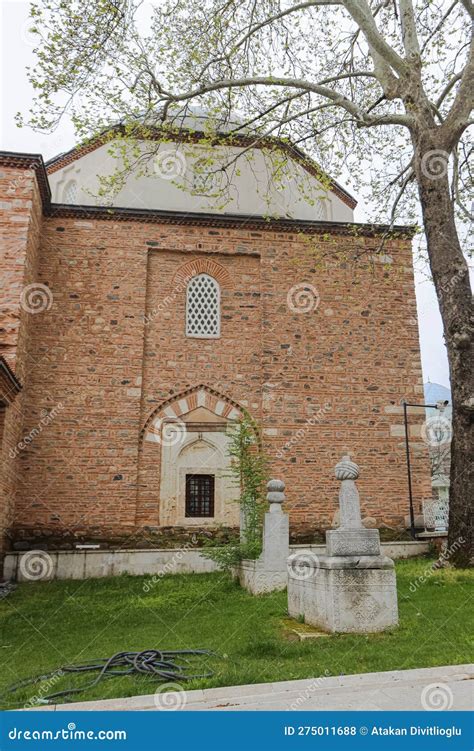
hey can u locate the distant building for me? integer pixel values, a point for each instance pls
(439, 450)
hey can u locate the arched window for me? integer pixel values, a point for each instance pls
(203, 315)
(70, 192)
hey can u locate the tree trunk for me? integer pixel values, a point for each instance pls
(451, 279)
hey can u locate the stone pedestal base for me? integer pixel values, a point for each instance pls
(345, 594)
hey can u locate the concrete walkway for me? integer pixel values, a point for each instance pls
(450, 687)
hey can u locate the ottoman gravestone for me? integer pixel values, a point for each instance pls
(353, 587)
(269, 572)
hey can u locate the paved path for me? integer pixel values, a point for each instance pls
(450, 687)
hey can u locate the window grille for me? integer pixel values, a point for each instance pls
(199, 495)
(204, 181)
(70, 192)
(203, 307)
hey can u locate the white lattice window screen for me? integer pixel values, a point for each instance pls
(204, 181)
(70, 192)
(203, 307)
(319, 210)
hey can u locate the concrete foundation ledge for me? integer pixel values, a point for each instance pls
(394, 690)
(38, 565)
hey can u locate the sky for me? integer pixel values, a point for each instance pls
(16, 54)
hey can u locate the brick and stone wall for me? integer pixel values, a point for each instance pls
(318, 349)
(112, 349)
(21, 217)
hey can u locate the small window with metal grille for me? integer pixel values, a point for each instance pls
(70, 192)
(199, 495)
(203, 308)
(205, 178)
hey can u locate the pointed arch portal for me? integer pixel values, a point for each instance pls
(192, 431)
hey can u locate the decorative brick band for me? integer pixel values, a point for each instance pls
(177, 406)
(241, 221)
(202, 266)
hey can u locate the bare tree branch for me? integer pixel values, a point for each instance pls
(386, 59)
(339, 99)
(409, 35)
(456, 120)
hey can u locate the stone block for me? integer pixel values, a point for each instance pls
(341, 596)
(353, 542)
(259, 580)
(276, 535)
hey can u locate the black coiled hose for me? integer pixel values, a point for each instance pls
(159, 664)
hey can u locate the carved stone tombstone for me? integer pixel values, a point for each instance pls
(351, 589)
(269, 572)
(351, 537)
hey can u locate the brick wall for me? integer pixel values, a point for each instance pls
(112, 348)
(338, 375)
(20, 229)
(20, 224)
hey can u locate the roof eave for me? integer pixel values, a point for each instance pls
(242, 221)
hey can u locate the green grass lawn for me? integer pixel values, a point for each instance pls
(45, 625)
